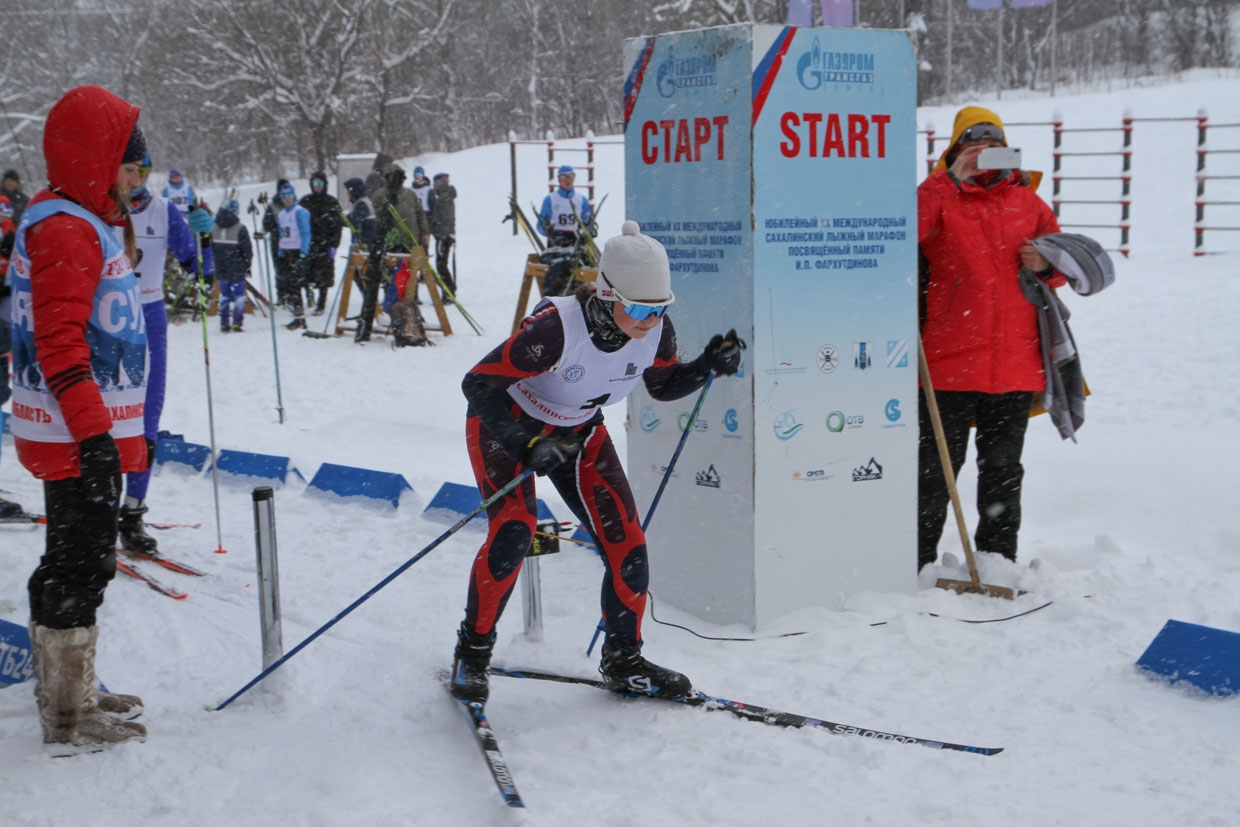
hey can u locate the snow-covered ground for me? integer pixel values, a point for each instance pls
(1132, 526)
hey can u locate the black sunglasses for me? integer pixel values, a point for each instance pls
(981, 132)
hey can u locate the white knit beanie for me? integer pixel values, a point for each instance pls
(635, 266)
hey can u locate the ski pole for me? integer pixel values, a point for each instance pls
(206, 359)
(438, 278)
(485, 504)
(265, 266)
(667, 475)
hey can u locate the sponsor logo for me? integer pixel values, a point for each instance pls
(897, 353)
(870, 471)
(699, 424)
(828, 358)
(813, 475)
(685, 73)
(708, 478)
(786, 426)
(630, 370)
(730, 421)
(816, 68)
(892, 410)
(647, 419)
(863, 355)
(573, 373)
(838, 421)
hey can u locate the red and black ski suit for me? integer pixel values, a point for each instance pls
(593, 485)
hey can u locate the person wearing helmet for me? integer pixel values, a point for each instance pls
(535, 402)
(564, 218)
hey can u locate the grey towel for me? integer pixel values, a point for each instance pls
(1064, 397)
(1082, 260)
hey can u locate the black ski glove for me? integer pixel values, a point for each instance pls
(543, 453)
(100, 469)
(723, 353)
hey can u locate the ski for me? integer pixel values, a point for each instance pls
(23, 518)
(475, 714)
(763, 715)
(165, 526)
(160, 560)
(136, 574)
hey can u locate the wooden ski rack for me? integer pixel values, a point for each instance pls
(535, 270)
(419, 266)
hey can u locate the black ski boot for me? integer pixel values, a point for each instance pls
(627, 671)
(9, 508)
(469, 667)
(132, 533)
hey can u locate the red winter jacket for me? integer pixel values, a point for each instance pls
(84, 140)
(980, 332)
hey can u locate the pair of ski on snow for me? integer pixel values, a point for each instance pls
(126, 566)
(484, 735)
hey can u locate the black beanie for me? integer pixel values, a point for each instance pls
(135, 151)
(12, 173)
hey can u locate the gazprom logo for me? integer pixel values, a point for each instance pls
(817, 68)
(683, 73)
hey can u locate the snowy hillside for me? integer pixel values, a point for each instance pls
(1134, 525)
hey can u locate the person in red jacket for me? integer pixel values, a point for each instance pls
(979, 331)
(79, 389)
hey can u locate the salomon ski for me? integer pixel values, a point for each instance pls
(757, 713)
(475, 713)
(137, 574)
(160, 560)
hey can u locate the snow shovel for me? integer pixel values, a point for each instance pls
(974, 585)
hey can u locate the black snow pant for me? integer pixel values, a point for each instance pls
(443, 256)
(320, 276)
(371, 281)
(79, 558)
(1001, 421)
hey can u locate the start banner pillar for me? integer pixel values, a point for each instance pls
(778, 167)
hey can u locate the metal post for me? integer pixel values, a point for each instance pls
(268, 574)
(551, 160)
(512, 162)
(531, 598)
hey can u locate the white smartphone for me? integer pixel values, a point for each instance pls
(999, 157)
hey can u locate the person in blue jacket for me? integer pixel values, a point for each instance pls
(564, 219)
(179, 192)
(158, 226)
(294, 228)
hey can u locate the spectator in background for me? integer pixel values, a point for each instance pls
(80, 357)
(325, 231)
(422, 188)
(7, 507)
(563, 219)
(294, 221)
(271, 227)
(233, 255)
(395, 205)
(361, 215)
(443, 227)
(157, 227)
(12, 189)
(979, 331)
(178, 191)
